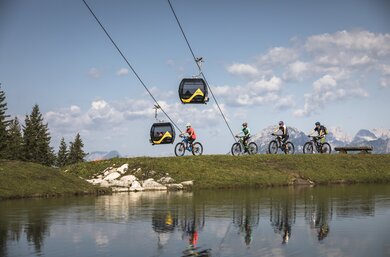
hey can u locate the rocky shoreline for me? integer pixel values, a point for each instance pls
(122, 180)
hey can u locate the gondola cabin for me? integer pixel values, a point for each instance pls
(162, 133)
(193, 91)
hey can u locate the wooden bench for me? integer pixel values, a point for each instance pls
(346, 149)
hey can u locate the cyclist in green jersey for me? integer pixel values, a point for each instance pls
(247, 134)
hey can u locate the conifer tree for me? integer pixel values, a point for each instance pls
(76, 153)
(62, 156)
(15, 141)
(36, 139)
(3, 126)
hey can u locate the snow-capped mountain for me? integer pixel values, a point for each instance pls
(99, 155)
(379, 139)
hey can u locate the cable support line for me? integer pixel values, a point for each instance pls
(130, 66)
(200, 70)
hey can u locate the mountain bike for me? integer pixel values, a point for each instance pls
(276, 144)
(239, 148)
(195, 148)
(315, 144)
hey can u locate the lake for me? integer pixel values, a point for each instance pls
(348, 220)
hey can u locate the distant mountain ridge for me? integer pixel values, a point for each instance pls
(100, 155)
(379, 139)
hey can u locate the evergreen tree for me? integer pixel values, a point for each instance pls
(3, 126)
(15, 141)
(76, 153)
(36, 139)
(62, 156)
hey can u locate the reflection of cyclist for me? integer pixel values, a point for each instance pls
(282, 127)
(321, 130)
(247, 133)
(191, 134)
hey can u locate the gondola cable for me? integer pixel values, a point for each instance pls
(200, 70)
(130, 66)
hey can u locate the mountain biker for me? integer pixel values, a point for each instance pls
(282, 127)
(191, 134)
(321, 130)
(247, 134)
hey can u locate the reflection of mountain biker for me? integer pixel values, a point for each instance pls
(191, 134)
(321, 130)
(282, 127)
(247, 134)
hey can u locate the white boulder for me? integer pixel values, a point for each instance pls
(166, 180)
(112, 176)
(136, 186)
(150, 184)
(129, 179)
(173, 187)
(122, 169)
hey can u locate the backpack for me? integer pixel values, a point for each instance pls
(325, 130)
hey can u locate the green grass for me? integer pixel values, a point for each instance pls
(23, 179)
(224, 171)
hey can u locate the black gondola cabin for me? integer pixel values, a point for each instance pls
(162, 133)
(193, 91)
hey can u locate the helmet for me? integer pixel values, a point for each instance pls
(318, 123)
(188, 125)
(281, 123)
(244, 124)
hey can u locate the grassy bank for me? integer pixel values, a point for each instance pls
(23, 179)
(224, 171)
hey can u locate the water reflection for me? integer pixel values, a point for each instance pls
(207, 223)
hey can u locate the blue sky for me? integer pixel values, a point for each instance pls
(297, 61)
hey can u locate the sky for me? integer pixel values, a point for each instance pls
(266, 61)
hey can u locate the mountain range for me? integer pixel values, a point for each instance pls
(100, 155)
(379, 139)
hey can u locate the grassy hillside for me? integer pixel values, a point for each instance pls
(224, 171)
(23, 179)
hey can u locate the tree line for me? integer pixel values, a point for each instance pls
(31, 141)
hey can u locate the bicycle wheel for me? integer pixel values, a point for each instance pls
(308, 148)
(252, 148)
(197, 148)
(273, 147)
(326, 148)
(289, 148)
(236, 149)
(180, 149)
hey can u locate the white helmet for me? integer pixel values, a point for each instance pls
(188, 125)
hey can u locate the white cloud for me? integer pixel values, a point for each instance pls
(243, 69)
(94, 73)
(296, 70)
(122, 72)
(279, 55)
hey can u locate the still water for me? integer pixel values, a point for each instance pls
(304, 221)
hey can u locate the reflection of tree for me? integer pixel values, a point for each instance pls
(246, 217)
(36, 227)
(282, 216)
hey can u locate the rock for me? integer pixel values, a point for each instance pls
(166, 180)
(187, 184)
(119, 183)
(129, 178)
(150, 184)
(105, 183)
(108, 171)
(174, 187)
(122, 169)
(152, 173)
(136, 186)
(112, 176)
(120, 189)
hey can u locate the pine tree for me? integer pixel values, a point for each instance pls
(15, 141)
(36, 139)
(3, 126)
(62, 156)
(76, 153)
